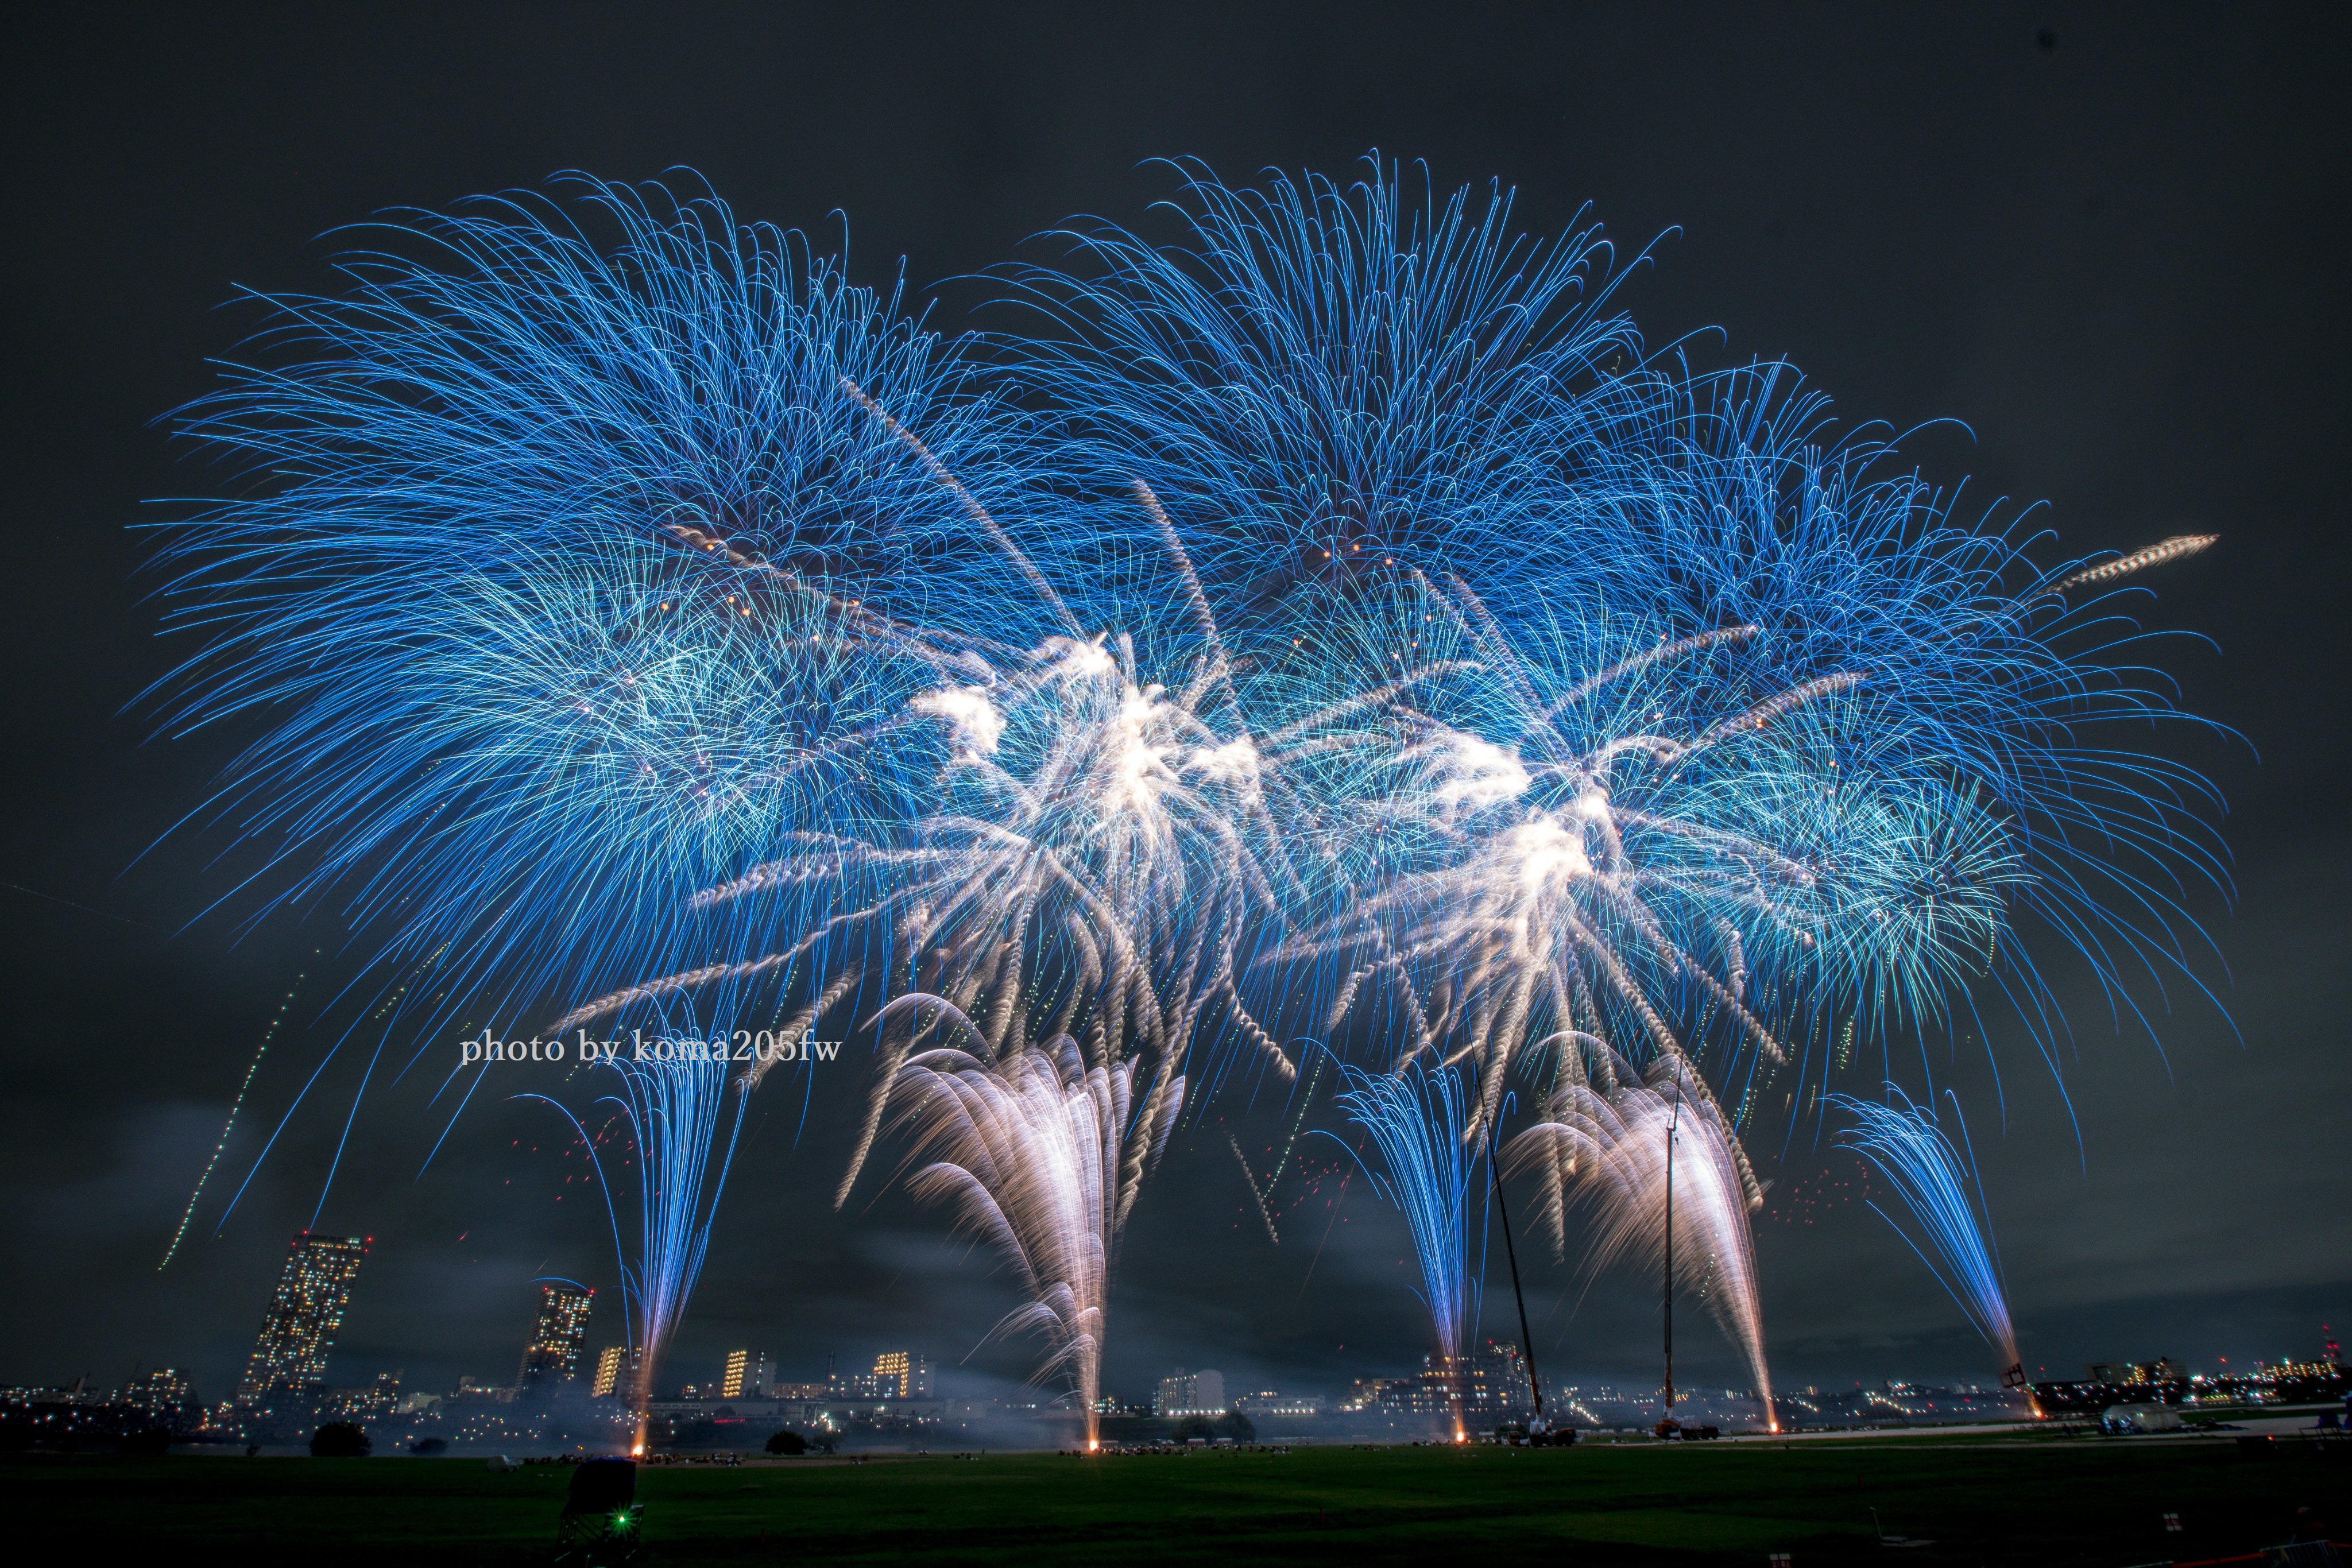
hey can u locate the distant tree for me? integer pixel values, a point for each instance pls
(788, 1442)
(1192, 1426)
(341, 1440)
(147, 1443)
(428, 1446)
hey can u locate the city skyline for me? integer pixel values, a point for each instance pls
(1487, 1387)
(295, 1344)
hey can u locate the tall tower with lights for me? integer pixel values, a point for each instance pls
(910, 1373)
(616, 1370)
(304, 1314)
(747, 1376)
(552, 1359)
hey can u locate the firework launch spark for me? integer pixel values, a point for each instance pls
(1937, 1183)
(1416, 1120)
(1039, 1155)
(1607, 1145)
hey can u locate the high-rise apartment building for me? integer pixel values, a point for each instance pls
(304, 1314)
(747, 1376)
(610, 1372)
(908, 1376)
(552, 1359)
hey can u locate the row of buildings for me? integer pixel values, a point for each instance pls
(897, 1375)
(1489, 1385)
(285, 1384)
(1203, 1393)
(2165, 1381)
(285, 1380)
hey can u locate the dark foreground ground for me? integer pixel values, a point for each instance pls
(2076, 1501)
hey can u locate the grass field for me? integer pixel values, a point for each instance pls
(2079, 1502)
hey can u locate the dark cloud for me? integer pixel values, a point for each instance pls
(2116, 261)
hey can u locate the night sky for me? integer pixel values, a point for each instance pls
(2107, 245)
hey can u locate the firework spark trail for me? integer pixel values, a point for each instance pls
(798, 1026)
(1938, 1185)
(972, 508)
(229, 1125)
(1612, 1144)
(749, 968)
(1665, 653)
(1298, 1120)
(1774, 706)
(2180, 546)
(1418, 1120)
(1257, 1194)
(1039, 1155)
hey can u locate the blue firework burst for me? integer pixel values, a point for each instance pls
(571, 571)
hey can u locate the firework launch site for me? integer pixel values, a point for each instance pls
(1994, 1498)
